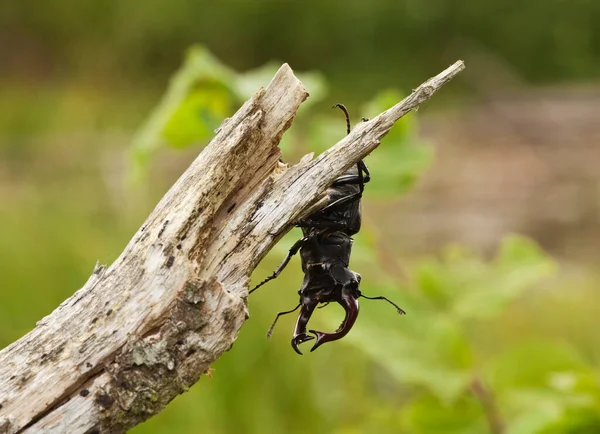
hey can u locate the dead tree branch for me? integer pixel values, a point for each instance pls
(143, 330)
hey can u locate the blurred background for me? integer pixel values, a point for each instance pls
(482, 219)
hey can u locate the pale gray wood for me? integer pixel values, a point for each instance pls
(143, 330)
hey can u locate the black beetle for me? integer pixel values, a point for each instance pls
(325, 253)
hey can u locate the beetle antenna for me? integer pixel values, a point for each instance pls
(345, 110)
(381, 297)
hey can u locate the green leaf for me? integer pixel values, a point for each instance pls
(542, 384)
(397, 164)
(405, 127)
(580, 422)
(534, 364)
(199, 69)
(421, 348)
(429, 346)
(465, 285)
(200, 95)
(429, 415)
(198, 115)
(247, 83)
(402, 157)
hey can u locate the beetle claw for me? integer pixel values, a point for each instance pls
(300, 331)
(296, 340)
(350, 305)
(321, 339)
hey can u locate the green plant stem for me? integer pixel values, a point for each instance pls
(488, 401)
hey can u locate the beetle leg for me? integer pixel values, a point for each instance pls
(297, 245)
(350, 305)
(300, 330)
(270, 332)
(342, 201)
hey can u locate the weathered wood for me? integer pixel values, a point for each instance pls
(143, 330)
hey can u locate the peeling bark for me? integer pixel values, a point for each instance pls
(143, 330)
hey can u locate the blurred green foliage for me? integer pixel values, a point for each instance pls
(79, 76)
(423, 373)
(200, 95)
(361, 46)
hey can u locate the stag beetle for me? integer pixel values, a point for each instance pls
(325, 254)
